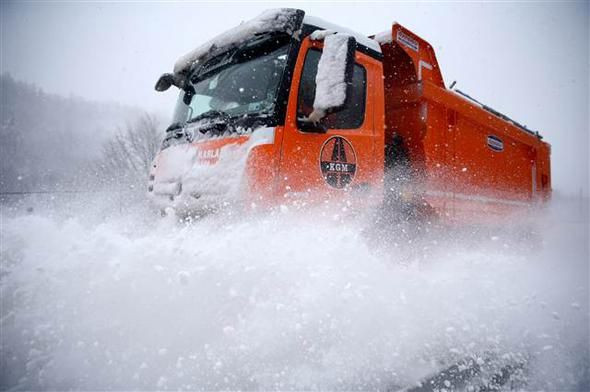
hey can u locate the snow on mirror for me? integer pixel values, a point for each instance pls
(334, 74)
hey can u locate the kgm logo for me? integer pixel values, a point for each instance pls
(338, 162)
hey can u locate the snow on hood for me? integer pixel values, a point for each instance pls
(273, 20)
(201, 175)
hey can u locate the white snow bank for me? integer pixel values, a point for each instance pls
(273, 20)
(278, 303)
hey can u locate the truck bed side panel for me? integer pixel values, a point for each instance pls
(467, 163)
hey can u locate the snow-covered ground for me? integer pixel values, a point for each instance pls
(105, 295)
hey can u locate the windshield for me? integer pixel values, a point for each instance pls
(242, 82)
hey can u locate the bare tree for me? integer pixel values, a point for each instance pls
(126, 158)
(49, 142)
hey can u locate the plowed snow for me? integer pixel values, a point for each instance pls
(111, 300)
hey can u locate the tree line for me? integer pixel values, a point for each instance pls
(51, 142)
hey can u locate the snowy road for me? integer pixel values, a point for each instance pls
(98, 299)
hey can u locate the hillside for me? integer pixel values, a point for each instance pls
(46, 139)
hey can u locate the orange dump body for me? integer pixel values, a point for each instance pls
(466, 161)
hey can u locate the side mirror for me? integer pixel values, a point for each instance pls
(335, 69)
(164, 82)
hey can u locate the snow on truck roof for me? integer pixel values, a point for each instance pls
(273, 20)
(324, 25)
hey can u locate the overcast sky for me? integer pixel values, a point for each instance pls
(528, 60)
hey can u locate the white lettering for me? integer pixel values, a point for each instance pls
(338, 167)
(208, 154)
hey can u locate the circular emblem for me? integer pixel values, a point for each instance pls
(337, 162)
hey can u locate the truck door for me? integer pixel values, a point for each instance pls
(341, 159)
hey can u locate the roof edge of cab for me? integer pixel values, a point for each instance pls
(365, 42)
(288, 20)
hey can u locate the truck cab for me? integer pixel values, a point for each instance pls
(239, 133)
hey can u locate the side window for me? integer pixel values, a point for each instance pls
(352, 114)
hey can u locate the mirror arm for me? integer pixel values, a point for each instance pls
(311, 127)
(189, 91)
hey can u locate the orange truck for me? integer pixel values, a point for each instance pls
(288, 109)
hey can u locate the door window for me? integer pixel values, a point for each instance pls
(352, 114)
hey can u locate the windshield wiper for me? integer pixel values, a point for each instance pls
(174, 134)
(210, 114)
(219, 126)
(173, 126)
